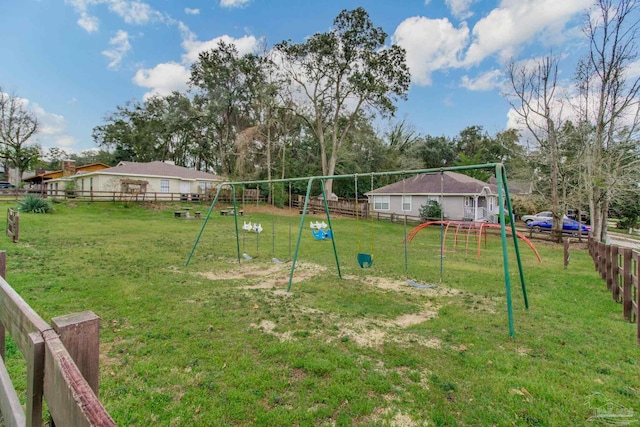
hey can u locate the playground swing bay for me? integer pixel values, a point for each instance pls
(324, 230)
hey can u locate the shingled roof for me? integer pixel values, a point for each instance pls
(159, 169)
(433, 184)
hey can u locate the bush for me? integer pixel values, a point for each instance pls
(432, 210)
(34, 204)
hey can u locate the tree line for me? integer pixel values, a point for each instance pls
(314, 108)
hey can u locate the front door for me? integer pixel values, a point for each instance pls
(185, 188)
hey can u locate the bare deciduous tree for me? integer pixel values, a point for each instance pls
(17, 125)
(609, 106)
(536, 102)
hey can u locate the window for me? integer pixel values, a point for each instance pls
(381, 203)
(204, 185)
(164, 185)
(469, 202)
(406, 203)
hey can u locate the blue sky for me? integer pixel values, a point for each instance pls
(74, 61)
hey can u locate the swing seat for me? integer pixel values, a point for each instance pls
(365, 260)
(419, 286)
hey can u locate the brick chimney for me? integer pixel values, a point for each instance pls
(68, 167)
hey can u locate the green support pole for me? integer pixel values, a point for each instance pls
(513, 234)
(304, 215)
(505, 256)
(333, 241)
(235, 218)
(204, 223)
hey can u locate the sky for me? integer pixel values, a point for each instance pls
(74, 61)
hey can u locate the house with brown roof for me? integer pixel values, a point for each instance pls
(460, 196)
(37, 181)
(163, 179)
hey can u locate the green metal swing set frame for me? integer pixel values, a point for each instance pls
(503, 196)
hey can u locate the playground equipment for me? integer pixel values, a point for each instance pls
(251, 228)
(365, 260)
(404, 242)
(504, 212)
(478, 229)
(320, 231)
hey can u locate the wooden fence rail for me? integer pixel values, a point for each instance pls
(618, 267)
(62, 362)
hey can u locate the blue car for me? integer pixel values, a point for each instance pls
(568, 226)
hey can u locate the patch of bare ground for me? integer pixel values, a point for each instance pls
(399, 419)
(368, 333)
(268, 327)
(402, 286)
(266, 276)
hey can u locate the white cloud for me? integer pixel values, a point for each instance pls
(131, 11)
(166, 77)
(88, 23)
(135, 11)
(233, 3)
(518, 21)
(633, 70)
(431, 44)
(163, 78)
(489, 80)
(190, 11)
(460, 8)
(121, 47)
(52, 128)
(246, 44)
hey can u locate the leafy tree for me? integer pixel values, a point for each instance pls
(340, 73)
(226, 85)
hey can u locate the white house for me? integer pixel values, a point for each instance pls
(159, 178)
(460, 196)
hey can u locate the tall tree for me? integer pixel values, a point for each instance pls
(225, 84)
(340, 73)
(537, 104)
(609, 106)
(17, 126)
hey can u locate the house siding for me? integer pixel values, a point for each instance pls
(453, 206)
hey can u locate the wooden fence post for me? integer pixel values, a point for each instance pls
(80, 334)
(566, 252)
(3, 273)
(627, 306)
(35, 379)
(612, 272)
(635, 283)
(602, 260)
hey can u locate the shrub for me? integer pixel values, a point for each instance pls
(34, 204)
(432, 210)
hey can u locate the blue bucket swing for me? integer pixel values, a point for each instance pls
(365, 260)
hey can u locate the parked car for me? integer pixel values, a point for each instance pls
(568, 226)
(4, 184)
(540, 216)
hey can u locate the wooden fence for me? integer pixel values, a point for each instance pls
(619, 268)
(13, 224)
(61, 362)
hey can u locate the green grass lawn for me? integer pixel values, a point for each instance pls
(222, 344)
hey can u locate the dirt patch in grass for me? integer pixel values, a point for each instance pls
(268, 327)
(266, 276)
